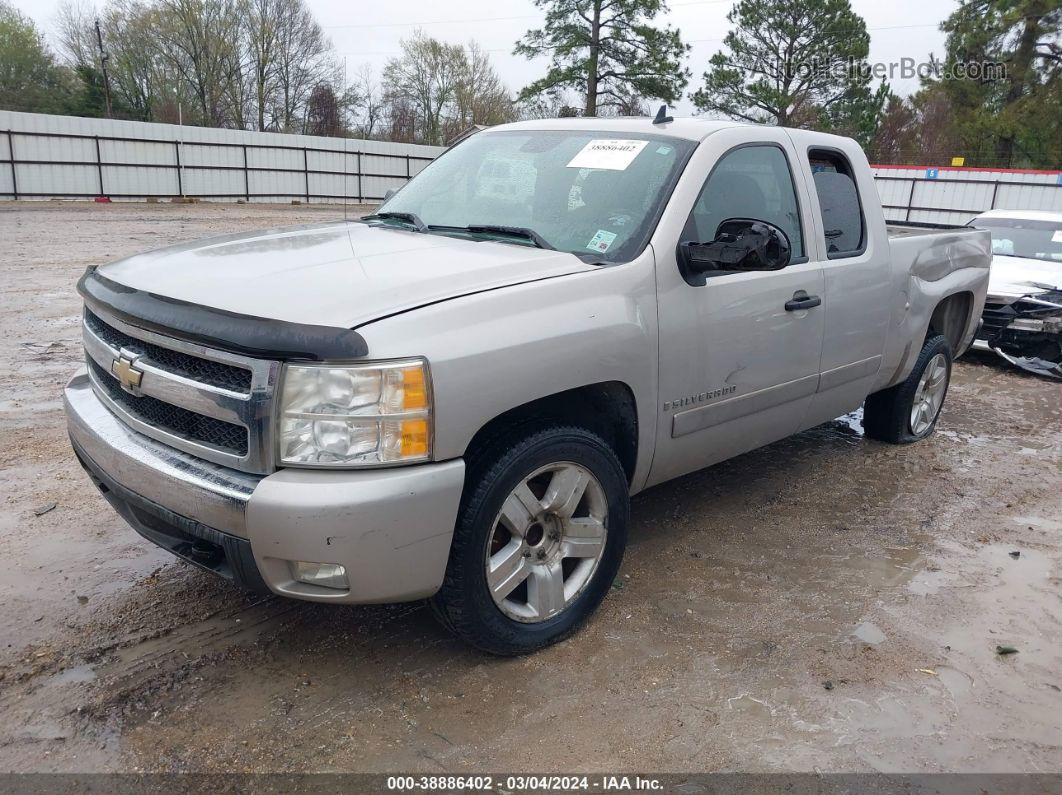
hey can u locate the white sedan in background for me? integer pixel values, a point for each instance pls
(1023, 313)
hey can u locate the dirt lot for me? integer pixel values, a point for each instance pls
(887, 572)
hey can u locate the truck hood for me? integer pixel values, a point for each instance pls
(340, 274)
(1014, 277)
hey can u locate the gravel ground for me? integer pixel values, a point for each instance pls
(827, 603)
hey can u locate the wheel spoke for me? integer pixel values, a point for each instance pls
(934, 403)
(566, 489)
(583, 538)
(519, 510)
(937, 376)
(508, 568)
(545, 589)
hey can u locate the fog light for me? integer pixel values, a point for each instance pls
(327, 575)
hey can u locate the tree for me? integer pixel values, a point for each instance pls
(1016, 114)
(304, 58)
(198, 40)
(30, 77)
(369, 104)
(897, 133)
(606, 50)
(434, 91)
(324, 112)
(426, 76)
(550, 105)
(792, 63)
(858, 114)
(480, 97)
(262, 20)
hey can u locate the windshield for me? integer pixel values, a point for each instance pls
(1018, 237)
(590, 193)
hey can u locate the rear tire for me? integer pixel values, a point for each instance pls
(539, 539)
(909, 411)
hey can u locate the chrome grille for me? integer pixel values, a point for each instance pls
(225, 436)
(227, 376)
(213, 404)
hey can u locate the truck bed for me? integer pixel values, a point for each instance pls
(929, 263)
(897, 229)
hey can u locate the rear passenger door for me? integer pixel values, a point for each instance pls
(858, 298)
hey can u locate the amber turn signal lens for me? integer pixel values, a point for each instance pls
(414, 389)
(414, 438)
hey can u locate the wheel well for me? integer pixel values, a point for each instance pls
(607, 409)
(951, 318)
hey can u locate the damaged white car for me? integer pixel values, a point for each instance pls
(1023, 312)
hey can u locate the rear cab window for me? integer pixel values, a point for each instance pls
(843, 223)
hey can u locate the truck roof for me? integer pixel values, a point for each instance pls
(687, 127)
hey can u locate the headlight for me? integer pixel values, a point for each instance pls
(359, 415)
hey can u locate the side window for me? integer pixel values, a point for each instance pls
(750, 182)
(842, 216)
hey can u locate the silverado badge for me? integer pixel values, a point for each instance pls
(127, 374)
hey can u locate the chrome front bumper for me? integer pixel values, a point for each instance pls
(389, 528)
(210, 493)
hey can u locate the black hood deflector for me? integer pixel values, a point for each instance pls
(216, 328)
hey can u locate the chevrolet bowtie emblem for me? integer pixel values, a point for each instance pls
(127, 374)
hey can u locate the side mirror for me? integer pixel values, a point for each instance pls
(741, 244)
(390, 192)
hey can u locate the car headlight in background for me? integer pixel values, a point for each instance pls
(356, 415)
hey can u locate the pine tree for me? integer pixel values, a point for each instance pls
(795, 63)
(607, 50)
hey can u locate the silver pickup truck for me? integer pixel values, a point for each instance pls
(454, 398)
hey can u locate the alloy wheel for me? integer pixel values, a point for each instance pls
(546, 542)
(929, 396)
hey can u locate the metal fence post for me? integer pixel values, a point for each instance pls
(407, 168)
(360, 197)
(99, 165)
(246, 177)
(306, 172)
(14, 174)
(180, 183)
(995, 190)
(910, 198)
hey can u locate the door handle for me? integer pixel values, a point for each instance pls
(801, 300)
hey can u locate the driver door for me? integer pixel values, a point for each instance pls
(738, 370)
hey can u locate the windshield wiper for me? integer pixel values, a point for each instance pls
(410, 218)
(501, 231)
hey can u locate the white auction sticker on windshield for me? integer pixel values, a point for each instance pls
(607, 153)
(601, 241)
(1057, 236)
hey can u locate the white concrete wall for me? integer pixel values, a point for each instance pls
(955, 195)
(140, 159)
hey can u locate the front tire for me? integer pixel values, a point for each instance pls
(909, 411)
(538, 542)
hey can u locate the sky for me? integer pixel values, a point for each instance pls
(367, 32)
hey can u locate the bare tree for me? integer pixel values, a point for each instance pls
(73, 22)
(370, 102)
(261, 20)
(427, 75)
(304, 59)
(199, 40)
(480, 96)
(447, 87)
